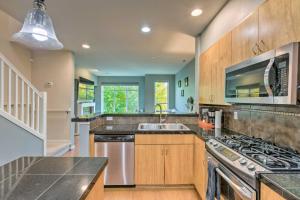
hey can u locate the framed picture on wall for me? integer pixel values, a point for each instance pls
(182, 93)
(186, 81)
(179, 83)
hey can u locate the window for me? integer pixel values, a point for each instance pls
(161, 94)
(86, 92)
(120, 99)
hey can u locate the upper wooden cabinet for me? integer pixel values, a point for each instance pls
(212, 71)
(275, 24)
(295, 5)
(244, 39)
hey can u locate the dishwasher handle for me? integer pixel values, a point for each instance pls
(114, 138)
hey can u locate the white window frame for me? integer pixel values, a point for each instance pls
(126, 94)
(168, 90)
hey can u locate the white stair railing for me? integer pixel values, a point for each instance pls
(21, 102)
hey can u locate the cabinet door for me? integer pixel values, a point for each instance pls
(179, 164)
(244, 39)
(296, 18)
(200, 170)
(275, 24)
(205, 79)
(224, 61)
(268, 194)
(149, 164)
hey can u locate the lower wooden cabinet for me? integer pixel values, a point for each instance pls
(164, 164)
(149, 165)
(200, 169)
(267, 193)
(179, 164)
(97, 192)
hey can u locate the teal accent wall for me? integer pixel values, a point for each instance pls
(139, 80)
(149, 90)
(187, 71)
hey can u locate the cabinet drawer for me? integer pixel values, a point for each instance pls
(164, 139)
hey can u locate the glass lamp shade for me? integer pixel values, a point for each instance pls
(37, 31)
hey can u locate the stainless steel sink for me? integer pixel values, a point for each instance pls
(162, 127)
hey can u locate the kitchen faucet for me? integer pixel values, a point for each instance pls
(161, 119)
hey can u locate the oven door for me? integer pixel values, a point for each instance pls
(231, 186)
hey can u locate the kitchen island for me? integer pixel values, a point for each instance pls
(76, 178)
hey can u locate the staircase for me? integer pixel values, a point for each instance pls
(21, 103)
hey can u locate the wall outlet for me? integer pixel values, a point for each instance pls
(235, 115)
(109, 118)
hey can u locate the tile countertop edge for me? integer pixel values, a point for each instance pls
(93, 182)
(285, 193)
(92, 117)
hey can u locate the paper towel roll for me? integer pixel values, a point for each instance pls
(218, 119)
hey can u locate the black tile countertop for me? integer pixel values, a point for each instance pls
(133, 129)
(285, 184)
(47, 178)
(88, 118)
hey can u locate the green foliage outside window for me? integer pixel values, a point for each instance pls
(120, 99)
(86, 92)
(161, 94)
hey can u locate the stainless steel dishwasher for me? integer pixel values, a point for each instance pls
(120, 152)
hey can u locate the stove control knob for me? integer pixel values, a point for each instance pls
(215, 144)
(243, 161)
(251, 167)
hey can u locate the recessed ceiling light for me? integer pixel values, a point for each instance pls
(146, 29)
(196, 12)
(86, 46)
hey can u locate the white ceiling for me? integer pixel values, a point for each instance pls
(112, 28)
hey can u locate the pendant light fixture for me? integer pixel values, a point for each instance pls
(37, 31)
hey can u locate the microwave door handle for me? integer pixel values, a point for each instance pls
(243, 191)
(267, 77)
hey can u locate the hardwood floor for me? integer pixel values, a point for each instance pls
(151, 194)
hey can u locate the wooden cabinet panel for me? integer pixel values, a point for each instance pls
(275, 24)
(204, 79)
(296, 18)
(244, 39)
(179, 164)
(97, 192)
(200, 169)
(267, 193)
(149, 164)
(224, 61)
(164, 139)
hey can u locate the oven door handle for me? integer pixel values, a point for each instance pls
(267, 77)
(243, 191)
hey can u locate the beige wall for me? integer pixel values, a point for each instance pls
(85, 73)
(56, 67)
(18, 55)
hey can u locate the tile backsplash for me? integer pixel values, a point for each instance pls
(277, 124)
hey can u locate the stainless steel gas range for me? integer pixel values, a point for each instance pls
(238, 159)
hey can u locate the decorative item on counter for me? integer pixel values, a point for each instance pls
(186, 81)
(179, 83)
(182, 93)
(190, 104)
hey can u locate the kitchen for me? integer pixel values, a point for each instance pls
(223, 125)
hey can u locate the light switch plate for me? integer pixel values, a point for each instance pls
(109, 118)
(235, 115)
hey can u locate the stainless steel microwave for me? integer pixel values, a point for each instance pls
(270, 78)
